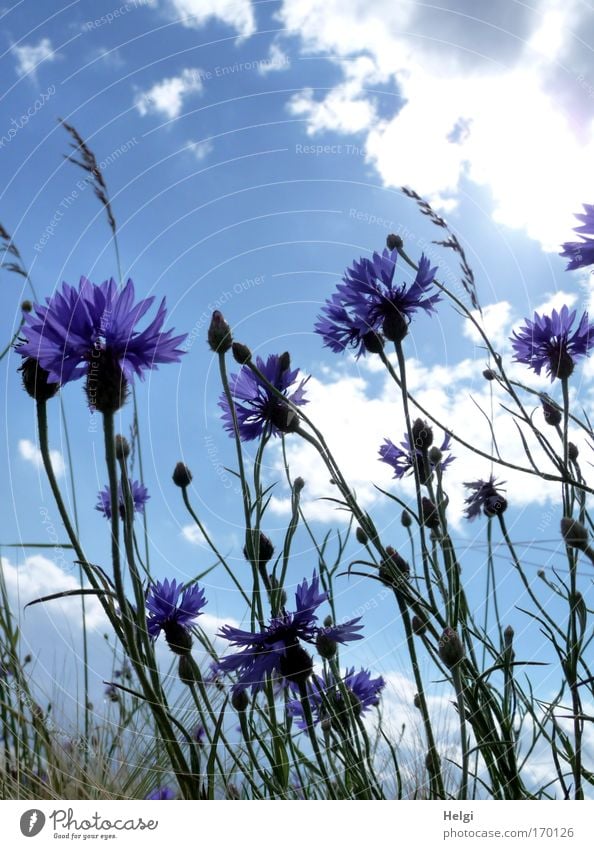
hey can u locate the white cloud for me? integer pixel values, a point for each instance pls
(193, 534)
(277, 61)
(497, 78)
(30, 56)
(238, 14)
(356, 412)
(201, 149)
(39, 576)
(31, 453)
(166, 97)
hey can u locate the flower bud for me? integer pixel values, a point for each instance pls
(508, 636)
(239, 700)
(219, 334)
(298, 485)
(325, 645)
(26, 306)
(406, 519)
(422, 435)
(241, 353)
(552, 414)
(574, 533)
(284, 362)
(489, 374)
(398, 561)
(263, 549)
(181, 476)
(430, 514)
(186, 670)
(572, 452)
(362, 537)
(35, 380)
(419, 624)
(417, 701)
(451, 650)
(435, 455)
(122, 447)
(394, 242)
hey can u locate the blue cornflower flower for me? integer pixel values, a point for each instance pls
(258, 410)
(327, 700)
(581, 254)
(172, 614)
(277, 649)
(548, 341)
(90, 331)
(161, 793)
(485, 496)
(367, 303)
(401, 458)
(139, 497)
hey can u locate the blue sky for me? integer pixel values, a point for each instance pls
(252, 151)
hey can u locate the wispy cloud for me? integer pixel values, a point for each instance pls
(30, 56)
(31, 453)
(238, 14)
(167, 96)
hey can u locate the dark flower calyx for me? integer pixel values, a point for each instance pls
(296, 664)
(419, 624)
(373, 342)
(451, 650)
(35, 380)
(122, 447)
(219, 334)
(283, 417)
(395, 325)
(326, 646)
(186, 670)
(572, 452)
(178, 638)
(106, 386)
(241, 353)
(552, 414)
(574, 533)
(494, 505)
(430, 514)
(239, 700)
(562, 365)
(422, 435)
(181, 476)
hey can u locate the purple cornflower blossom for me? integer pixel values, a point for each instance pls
(172, 608)
(91, 330)
(139, 497)
(401, 458)
(257, 409)
(485, 496)
(548, 341)
(368, 303)
(161, 793)
(326, 696)
(277, 649)
(581, 254)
